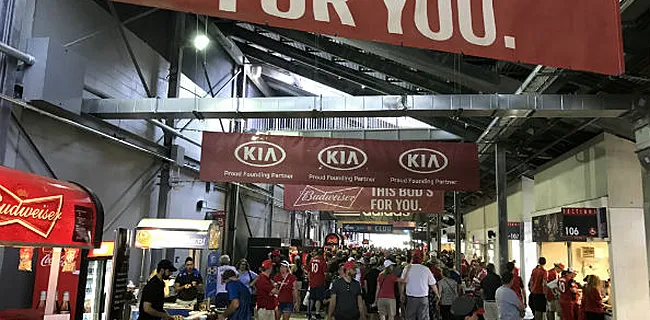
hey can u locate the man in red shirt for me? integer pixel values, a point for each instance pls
(317, 289)
(537, 299)
(288, 296)
(568, 295)
(267, 300)
(552, 295)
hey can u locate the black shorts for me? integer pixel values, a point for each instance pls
(318, 293)
(537, 302)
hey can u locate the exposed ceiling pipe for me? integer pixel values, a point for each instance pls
(13, 52)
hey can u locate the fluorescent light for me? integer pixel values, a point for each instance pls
(201, 42)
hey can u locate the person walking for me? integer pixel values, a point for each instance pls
(153, 293)
(518, 283)
(537, 285)
(489, 286)
(346, 301)
(288, 295)
(418, 281)
(317, 289)
(370, 282)
(222, 294)
(508, 303)
(552, 293)
(449, 291)
(267, 294)
(239, 297)
(248, 278)
(385, 295)
(568, 295)
(592, 299)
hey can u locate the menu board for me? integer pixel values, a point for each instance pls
(571, 225)
(83, 224)
(120, 275)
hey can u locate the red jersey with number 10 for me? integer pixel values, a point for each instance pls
(317, 268)
(565, 284)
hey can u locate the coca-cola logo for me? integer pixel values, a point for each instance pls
(260, 154)
(342, 157)
(423, 160)
(46, 261)
(343, 198)
(38, 215)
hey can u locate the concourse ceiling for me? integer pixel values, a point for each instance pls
(357, 67)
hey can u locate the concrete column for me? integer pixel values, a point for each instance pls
(502, 204)
(458, 219)
(642, 133)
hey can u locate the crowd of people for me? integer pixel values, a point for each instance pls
(347, 284)
(378, 284)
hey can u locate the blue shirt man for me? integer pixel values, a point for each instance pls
(239, 307)
(508, 303)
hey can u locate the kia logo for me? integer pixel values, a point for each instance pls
(423, 160)
(342, 157)
(261, 154)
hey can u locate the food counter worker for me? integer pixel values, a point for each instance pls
(188, 284)
(153, 293)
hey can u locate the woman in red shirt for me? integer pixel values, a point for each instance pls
(592, 301)
(287, 286)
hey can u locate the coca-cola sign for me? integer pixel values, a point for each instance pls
(36, 210)
(370, 201)
(573, 34)
(233, 157)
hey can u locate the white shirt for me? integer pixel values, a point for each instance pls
(221, 287)
(419, 280)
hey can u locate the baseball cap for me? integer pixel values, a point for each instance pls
(351, 259)
(167, 265)
(388, 263)
(349, 265)
(571, 270)
(465, 306)
(285, 263)
(560, 265)
(267, 264)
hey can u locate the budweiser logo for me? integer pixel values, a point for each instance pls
(342, 198)
(39, 215)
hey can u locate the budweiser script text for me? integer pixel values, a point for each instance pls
(22, 210)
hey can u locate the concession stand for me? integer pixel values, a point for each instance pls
(196, 236)
(57, 222)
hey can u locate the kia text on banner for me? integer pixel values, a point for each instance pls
(339, 162)
(394, 200)
(573, 34)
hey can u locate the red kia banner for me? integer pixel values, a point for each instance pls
(572, 34)
(35, 210)
(389, 200)
(233, 157)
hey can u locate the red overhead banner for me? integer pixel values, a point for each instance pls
(35, 210)
(233, 157)
(572, 34)
(387, 200)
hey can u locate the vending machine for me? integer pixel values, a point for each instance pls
(98, 282)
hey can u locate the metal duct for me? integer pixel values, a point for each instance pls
(500, 105)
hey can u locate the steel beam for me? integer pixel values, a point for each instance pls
(544, 106)
(305, 71)
(502, 203)
(317, 62)
(369, 60)
(444, 66)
